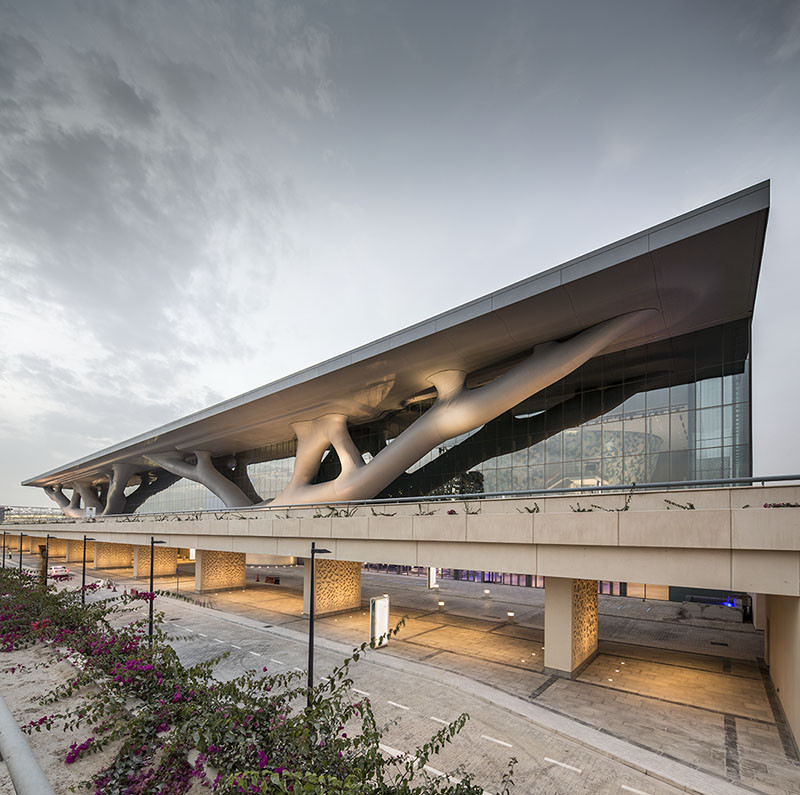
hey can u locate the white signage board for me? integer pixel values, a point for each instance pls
(90, 512)
(431, 576)
(379, 620)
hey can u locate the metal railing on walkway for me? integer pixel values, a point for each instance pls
(48, 515)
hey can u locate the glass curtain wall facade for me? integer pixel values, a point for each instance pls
(676, 410)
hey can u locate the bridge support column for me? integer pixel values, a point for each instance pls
(218, 571)
(783, 655)
(165, 561)
(111, 556)
(570, 625)
(337, 586)
(759, 610)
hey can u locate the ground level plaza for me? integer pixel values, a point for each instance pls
(694, 690)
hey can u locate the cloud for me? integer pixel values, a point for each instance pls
(143, 196)
(789, 40)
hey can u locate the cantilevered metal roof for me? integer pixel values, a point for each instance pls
(697, 270)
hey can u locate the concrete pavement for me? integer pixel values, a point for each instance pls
(696, 702)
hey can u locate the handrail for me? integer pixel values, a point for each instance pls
(668, 485)
(23, 767)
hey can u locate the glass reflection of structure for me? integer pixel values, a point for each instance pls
(674, 410)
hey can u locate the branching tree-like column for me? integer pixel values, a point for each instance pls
(457, 410)
(70, 507)
(89, 495)
(203, 472)
(118, 479)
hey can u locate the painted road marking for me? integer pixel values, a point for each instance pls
(393, 752)
(217, 640)
(563, 764)
(235, 646)
(202, 635)
(188, 629)
(362, 692)
(295, 668)
(399, 706)
(493, 740)
(255, 654)
(631, 789)
(277, 662)
(438, 720)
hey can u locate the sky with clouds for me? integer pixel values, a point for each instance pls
(201, 197)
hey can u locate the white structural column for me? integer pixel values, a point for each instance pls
(217, 571)
(570, 625)
(337, 586)
(759, 610)
(165, 561)
(456, 410)
(112, 556)
(117, 481)
(783, 654)
(202, 471)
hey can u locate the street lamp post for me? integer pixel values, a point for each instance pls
(83, 572)
(20, 552)
(4, 548)
(314, 551)
(46, 556)
(153, 542)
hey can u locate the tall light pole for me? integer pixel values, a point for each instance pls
(153, 542)
(46, 556)
(20, 552)
(314, 551)
(83, 572)
(4, 548)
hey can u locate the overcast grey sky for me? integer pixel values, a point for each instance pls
(200, 197)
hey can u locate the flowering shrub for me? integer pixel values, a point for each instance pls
(782, 504)
(174, 725)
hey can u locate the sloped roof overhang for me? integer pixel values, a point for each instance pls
(697, 270)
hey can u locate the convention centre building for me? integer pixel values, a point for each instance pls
(590, 425)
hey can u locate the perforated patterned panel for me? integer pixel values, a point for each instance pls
(112, 556)
(338, 586)
(584, 620)
(217, 570)
(165, 560)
